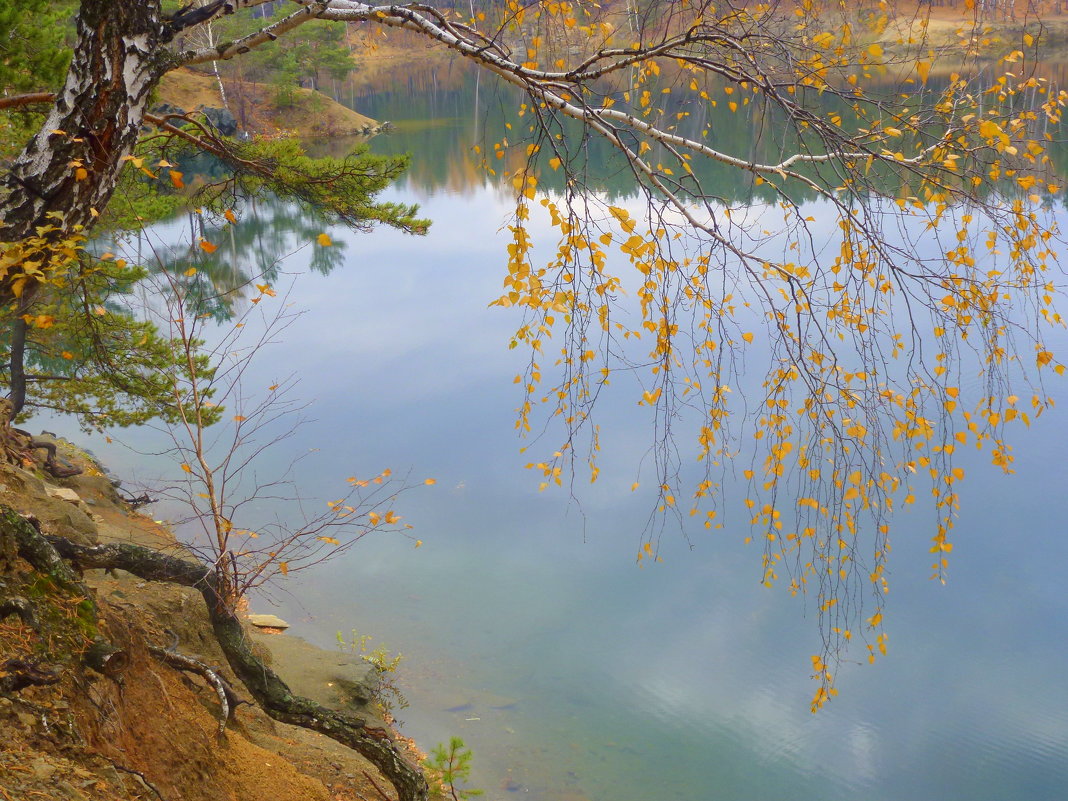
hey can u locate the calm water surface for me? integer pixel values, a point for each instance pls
(574, 675)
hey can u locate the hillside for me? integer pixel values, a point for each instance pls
(307, 113)
(146, 731)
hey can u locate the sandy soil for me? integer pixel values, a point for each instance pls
(152, 732)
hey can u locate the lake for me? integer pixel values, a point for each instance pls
(526, 626)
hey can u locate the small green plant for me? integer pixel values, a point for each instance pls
(450, 765)
(388, 696)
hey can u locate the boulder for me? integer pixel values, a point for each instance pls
(64, 494)
(163, 109)
(221, 120)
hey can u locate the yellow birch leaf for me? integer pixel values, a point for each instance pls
(430, 482)
(187, 468)
(190, 272)
(283, 568)
(324, 240)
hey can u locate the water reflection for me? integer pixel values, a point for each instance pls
(450, 115)
(526, 626)
(529, 631)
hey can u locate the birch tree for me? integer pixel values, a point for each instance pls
(933, 257)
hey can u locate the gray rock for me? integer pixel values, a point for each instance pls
(64, 494)
(221, 119)
(161, 109)
(268, 622)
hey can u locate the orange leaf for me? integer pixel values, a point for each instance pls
(207, 247)
(324, 240)
(230, 216)
(430, 482)
(187, 468)
(176, 179)
(283, 568)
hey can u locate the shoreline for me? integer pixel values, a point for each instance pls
(150, 726)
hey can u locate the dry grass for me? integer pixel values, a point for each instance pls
(311, 113)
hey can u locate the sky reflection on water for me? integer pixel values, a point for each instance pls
(575, 675)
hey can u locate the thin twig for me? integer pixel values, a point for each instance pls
(139, 775)
(375, 785)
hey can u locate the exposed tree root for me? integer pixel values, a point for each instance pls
(47, 554)
(21, 607)
(137, 775)
(225, 693)
(18, 673)
(18, 445)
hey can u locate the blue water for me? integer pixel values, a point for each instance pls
(573, 674)
(527, 627)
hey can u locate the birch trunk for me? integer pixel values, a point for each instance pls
(94, 123)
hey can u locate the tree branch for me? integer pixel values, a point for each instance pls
(270, 691)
